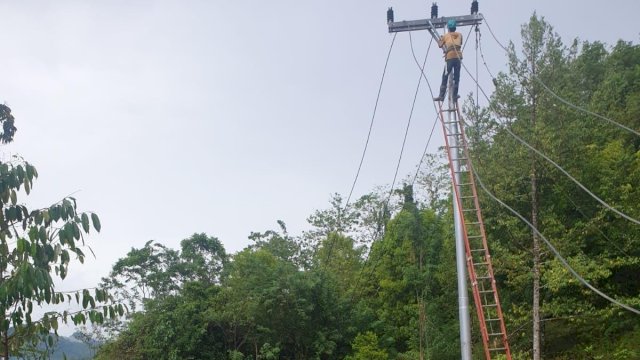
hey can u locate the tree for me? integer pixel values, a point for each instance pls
(145, 273)
(402, 287)
(366, 347)
(203, 258)
(35, 246)
(172, 327)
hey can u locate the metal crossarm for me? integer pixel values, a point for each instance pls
(437, 23)
(478, 258)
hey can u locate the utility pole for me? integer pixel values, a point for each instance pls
(431, 25)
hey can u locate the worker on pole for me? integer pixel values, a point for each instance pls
(451, 44)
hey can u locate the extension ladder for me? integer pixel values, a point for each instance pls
(485, 293)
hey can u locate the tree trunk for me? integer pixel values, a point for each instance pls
(423, 316)
(536, 239)
(5, 341)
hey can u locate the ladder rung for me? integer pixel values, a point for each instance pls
(496, 319)
(496, 334)
(490, 305)
(483, 263)
(473, 223)
(454, 134)
(467, 197)
(483, 277)
(497, 349)
(458, 159)
(465, 184)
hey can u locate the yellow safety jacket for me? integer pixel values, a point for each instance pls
(451, 43)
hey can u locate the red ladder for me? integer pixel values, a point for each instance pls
(485, 292)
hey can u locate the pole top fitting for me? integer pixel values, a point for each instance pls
(474, 7)
(434, 10)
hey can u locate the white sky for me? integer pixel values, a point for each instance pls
(173, 117)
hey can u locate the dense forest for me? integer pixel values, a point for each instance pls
(375, 278)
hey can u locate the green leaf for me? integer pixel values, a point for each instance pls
(85, 222)
(76, 231)
(14, 197)
(96, 221)
(27, 185)
(42, 234)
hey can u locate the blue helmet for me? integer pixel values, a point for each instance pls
(451, 24)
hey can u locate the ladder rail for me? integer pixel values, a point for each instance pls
(478, 294)
(485, 244)
(471, 270)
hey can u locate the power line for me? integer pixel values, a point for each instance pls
(386, 203)
(558, 97)
(604, 203)
(557, 254)
(413, 104)
(533, 228)
(435, 122)
(519, 139)
(415, 177)
(366, 144)
(375, 108)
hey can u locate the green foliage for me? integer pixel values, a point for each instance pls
(596, 242)
(203, 258)
(365, 347)
(8, 128)
(35, 246)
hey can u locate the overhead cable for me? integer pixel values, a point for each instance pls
(506, 128)
(533, 228)
(375, 108)
(558, 97)
(386, 203)
(435, 122)
(366, 144)
(556, 253)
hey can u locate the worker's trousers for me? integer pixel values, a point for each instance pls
(452, 64)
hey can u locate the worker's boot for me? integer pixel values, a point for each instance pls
(441, 96)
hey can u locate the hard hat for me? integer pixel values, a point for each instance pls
(451, 24)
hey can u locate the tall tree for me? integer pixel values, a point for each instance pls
(203, 258)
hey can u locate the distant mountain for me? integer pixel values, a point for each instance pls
(70, 347)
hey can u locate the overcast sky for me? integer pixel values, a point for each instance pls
(173, 117)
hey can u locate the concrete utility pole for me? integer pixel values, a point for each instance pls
(431, 25)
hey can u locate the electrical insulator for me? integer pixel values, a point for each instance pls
(390, 15)
(474, 7)
(434, 10)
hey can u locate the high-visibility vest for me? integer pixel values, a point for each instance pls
(451, 43)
